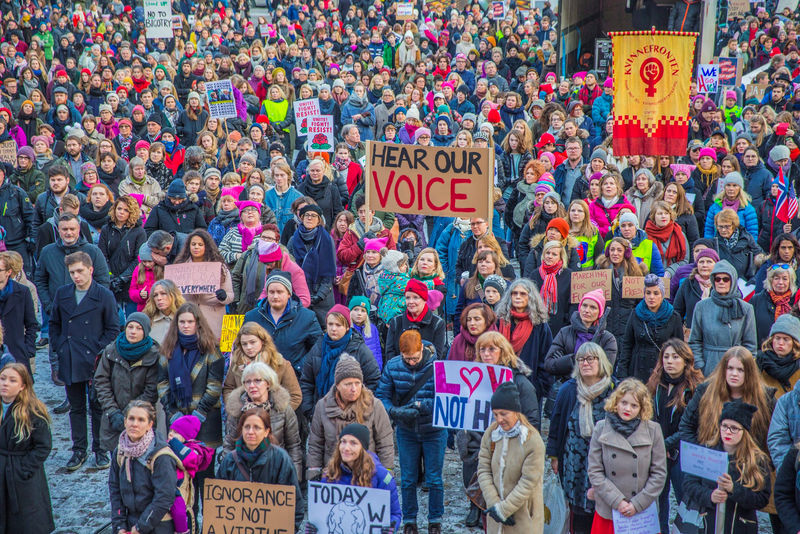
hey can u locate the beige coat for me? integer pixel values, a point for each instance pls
(159, 325)
(633, 469)
(285, 431)
(153, 194)
(213, 309)
(329, 420)
(286, 377)
(510, 477)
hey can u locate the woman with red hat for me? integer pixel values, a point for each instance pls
(418, 316)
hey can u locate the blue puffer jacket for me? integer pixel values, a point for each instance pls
(759, 182)
(601, 108)
(784, 428)
(373, 343)
(447, 245)
(382, 479)
(747, 218)
(398, 379)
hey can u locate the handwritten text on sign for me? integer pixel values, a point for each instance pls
(158, 19)
(707, 78)
(334, 508)
(230, 506)
(633, 287)
(645, 522)
(195, 278)
(584, 281)
(464, 393)
(449, 182)
(703, 462)
(8, 152)
(230, 329)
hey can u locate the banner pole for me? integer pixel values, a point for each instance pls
(227, 134)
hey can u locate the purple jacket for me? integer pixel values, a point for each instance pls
(241, 105)
(373, 343)
(417, 222)
(680, 273)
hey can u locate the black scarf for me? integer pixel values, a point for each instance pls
(780, 368)
(669, 381)
(730, 305)
(184, 357)
(96, 218)
(626, 428)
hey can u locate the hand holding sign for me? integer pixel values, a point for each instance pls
(464, 392)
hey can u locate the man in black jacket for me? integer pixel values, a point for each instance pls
(16, 217)
(83, 321)
(17, 314)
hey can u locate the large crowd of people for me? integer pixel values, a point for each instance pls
(113, 169)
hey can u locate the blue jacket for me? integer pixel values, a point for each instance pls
(382, 479)
(447, 245)
(601, 108)
(295, 333)
(759, 182)
(373, 343)
(398, 379)
(281, 205)
(747, 218)
(784, 428)
(365, 124)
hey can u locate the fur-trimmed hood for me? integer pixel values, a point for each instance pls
(278, 397)
(570, 243)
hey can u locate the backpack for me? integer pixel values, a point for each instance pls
(186, 488)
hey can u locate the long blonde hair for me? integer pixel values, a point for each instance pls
(437, 264)
(269, 352)
(586, 228)
(27, 405)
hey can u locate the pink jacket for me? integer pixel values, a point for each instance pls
(602, 217)
(299, 284)
(135, 289)
(194, 455)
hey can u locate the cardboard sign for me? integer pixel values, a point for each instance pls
(791, 4)
(220, 99)
(336, 509)
(8, 152)
(427, 180)
(230, 329)
(633, 287)
(498, 10)
(230, 506)
(464, 393)
(582, 282)
(738, 9)
(703, 462)
(730, 72)
(195, 278)
(320, 134)
(158, 19)
(756, 91)
(303, 110)
(405, 11)
(645, 522)
(707, 78)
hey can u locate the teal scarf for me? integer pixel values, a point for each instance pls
(132, 351)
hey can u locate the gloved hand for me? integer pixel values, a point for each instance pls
(405, 415)
(494, 514)
(115, 285)
(117, 421)
(310, 528)
(221, 295)
(510, 521)
(370, 235)
(362, 243)
(199, 416)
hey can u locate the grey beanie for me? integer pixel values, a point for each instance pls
(142, 319)
(497, 282)
(786, 324)
(647, 172)
(283, 278)
(324, 87)
(552, 194)
(250, 157)
(779, 152)
(347, 367)
(734, 178)
(629, 217)
(469, 117)
(145, 253)
(392, 261)
(599, 153)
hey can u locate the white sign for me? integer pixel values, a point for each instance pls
(707, 78)
(221, 104)
(791, 4)
(158, 19)
(703, 462)
(464, 393)
(304, 110)
(336, 509)
(320, 134)
(645, 522)
(405, 11)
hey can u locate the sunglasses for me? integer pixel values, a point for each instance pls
(777, 266)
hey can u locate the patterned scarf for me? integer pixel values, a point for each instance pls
(550, 285)
(782, 302)
(134, 449)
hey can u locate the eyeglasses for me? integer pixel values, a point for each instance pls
(723, 279)
(777, 266)
(253, 382)
(730, 429)
(586, 359)
(489, 348)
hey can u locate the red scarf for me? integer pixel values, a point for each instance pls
(676, 251)
(549, 289)
(421, 315)
(522, 330)
(783, 303)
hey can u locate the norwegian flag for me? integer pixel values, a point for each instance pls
(786, 205)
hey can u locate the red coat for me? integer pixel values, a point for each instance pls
(350, 254)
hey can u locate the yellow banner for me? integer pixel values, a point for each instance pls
(230, 329)
(652, 75)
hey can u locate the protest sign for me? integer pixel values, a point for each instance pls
(230, 506)
(645, 522)
(737, 9)
(464, 393)
(791, 4)
(756, 91)
(303, 109)
(320, 134)
(707, 78)
(405, 11)
(730, 72)
(633, 287)
(8, 152)
(427, 180)
(230, 328)
(158, 19)
(498, 10)
(584, 281)
(335, 509)
(220, 99)
(702, 462)
(195, 278)
(177, 24)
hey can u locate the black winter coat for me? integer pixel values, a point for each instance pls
(313, 364)
(146, 498)
(560, 358)
(742, 255)
(431, 328)
(24, 496)
(560, 317)
(327, 197)
(787, 492)
(619, 310)
(16, 215)
(19, 322)
(641, 345)
(120, 246)
(183, 218)
(688, 295)
(187, 129)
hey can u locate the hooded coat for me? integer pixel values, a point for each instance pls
(357, 105)
(183, 218)
(560, 358)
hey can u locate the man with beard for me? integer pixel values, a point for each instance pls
(47, 202)
(61, 96)
(73, 159)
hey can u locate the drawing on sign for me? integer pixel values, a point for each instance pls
(303, 110)
(320, 133)
(220, 99)
(338, 509)
(707, 78)
(729, 72)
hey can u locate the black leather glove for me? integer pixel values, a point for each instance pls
(116, 285)
(117, 420)
(369, 235)
(405, 415)
(221, 295)
(492, 512)
(361, 243)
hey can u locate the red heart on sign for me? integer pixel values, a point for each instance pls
(467, 377)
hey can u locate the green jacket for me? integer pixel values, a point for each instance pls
(32, 182)
(47, 43)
